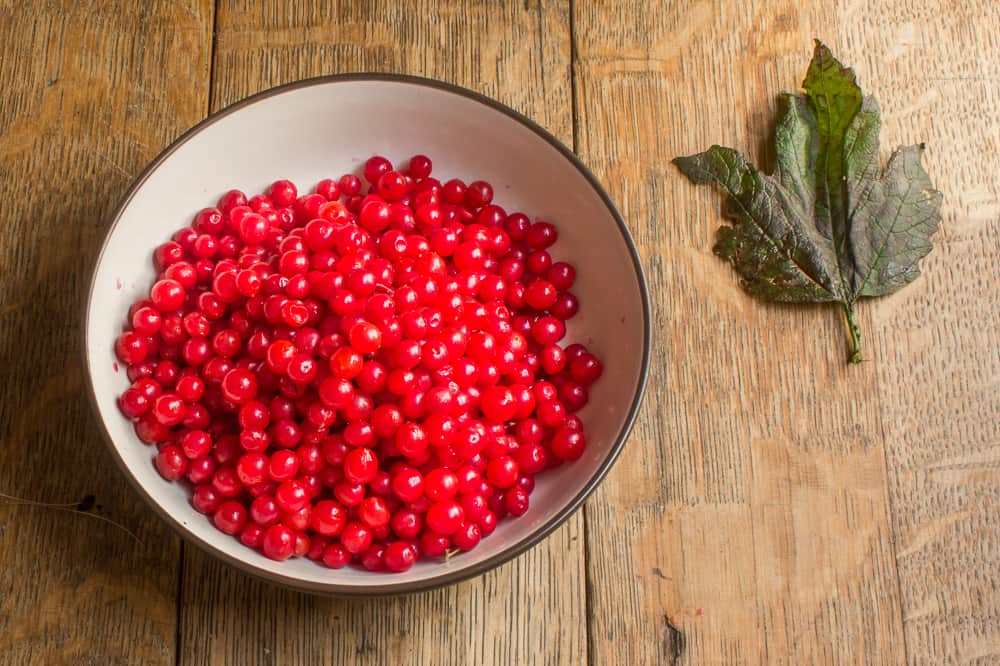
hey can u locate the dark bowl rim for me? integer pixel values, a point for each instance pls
(445, 578)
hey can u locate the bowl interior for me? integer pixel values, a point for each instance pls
(323, 129)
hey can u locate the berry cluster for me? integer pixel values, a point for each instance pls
(358, 377)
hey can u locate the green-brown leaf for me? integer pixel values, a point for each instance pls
(828, 224)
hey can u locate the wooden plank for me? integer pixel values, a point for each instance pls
(91, 93)
(748, 520)
(531, 610)
(935, 67)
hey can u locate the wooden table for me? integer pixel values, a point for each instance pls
(773, 505)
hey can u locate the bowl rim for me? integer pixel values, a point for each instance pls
(446, 577)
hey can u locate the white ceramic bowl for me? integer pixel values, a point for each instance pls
(321, 128)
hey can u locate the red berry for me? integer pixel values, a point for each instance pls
(445, 517)
(372, 559)
(205, 500)
(349, 494)
(264, 510)
(328, 517)
(488, 523)
(328, 188)
(150, 430)
(133, 403)
(298, 520)
(376, 215)
(531, 458)
(168, 409)
(420, 166)
(252, 536)
(279, 355)
(252, 229)
(478, 194)
(548, 330)
(347, 363)
(278, 542)
(283, 193)
(515, 501)
(251, 468)
(399, 556)
(585, 368)
(131, 348)
(467, 536)
(360, 466)
(291, 495)
(540, 236)
(171, 462)
(301, 369)
(230, 200)
(209, 221)
(411, 440)
(147, 321)
(190, 388)
(356, 538)
(350, 185)
(440, 485)
(551, 413)
(498, 404)
(407, 524)
(167, 295)
(375, 168)
(374, 512)
(365, 337)
(239, 386)
(230, 517)
(196, 444)
(225, 480)
(474, 506)
(568, 444)
(434, 545)
(336, 556)
(502, 471)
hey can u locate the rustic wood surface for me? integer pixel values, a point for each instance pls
(773, 505)
(91, 92)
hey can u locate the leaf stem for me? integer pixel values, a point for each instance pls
(855, 356)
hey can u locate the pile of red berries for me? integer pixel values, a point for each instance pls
(358, 377)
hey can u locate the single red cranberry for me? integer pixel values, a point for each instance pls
(467, 536)
(356, 538)
(171, 462)
(230, 517)
(399, 556)
(336, 556)
(278, 542)
(360, 465)
(445, 517)
(568, 444)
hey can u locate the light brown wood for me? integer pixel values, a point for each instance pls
(91, 93)
(774, 506)
(760, 527)
(935, 67)
(530, 611)
(749, 515)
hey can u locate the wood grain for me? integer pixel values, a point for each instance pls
(531, 610)
(935, 67)
(774, 506)
(91, 92)
(749, 516)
